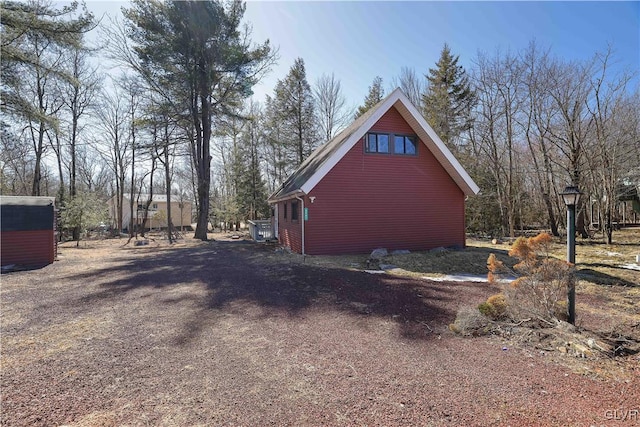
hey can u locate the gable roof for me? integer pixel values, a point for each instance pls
(325, 157)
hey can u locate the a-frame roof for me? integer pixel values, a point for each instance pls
(325, 157)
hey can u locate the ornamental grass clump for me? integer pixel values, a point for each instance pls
(538, 294)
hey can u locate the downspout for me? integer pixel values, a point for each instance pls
(302, 219)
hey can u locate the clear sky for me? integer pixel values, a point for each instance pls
(357, 40)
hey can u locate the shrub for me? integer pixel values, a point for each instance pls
(540, 291)
(470, 322)
(495, 307)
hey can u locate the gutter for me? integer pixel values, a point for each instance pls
(286, 196)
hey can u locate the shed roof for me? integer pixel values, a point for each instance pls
(27, 201)
(325, 157)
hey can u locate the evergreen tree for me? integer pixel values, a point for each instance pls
(24, 26)
(448, 99)
(194, 54)
(375, 95)
(296, 106)
(252, 191)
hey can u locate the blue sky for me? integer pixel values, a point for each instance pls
(358, 40)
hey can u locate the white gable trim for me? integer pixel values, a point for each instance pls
(426, 134)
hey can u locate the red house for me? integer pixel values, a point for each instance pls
(386, 181)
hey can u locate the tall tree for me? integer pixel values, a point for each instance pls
(411, 85)
(537, 117)
(448, 99)
(297, 110)
(569, 92)
(24, 24)
(375, 95)
(331, 104)
(195, 55)
(114, 142)
(252, 191)
(278, 162)
(78, 96)
(35, 38)
(613, 139)
(496, 132)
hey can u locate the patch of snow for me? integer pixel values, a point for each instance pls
(466, 278)
(374, 271)
(630, 266)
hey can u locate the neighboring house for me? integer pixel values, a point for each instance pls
(157, 215)
(28, 236)
(387, 181)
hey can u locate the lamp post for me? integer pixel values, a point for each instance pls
(571, 195)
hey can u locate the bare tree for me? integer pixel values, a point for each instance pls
(114, 143)
(497, 86)
(412, 85)
(331, 106)
(569, 91)
(612, 139)
(538, 113)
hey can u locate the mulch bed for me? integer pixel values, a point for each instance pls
(225, 333)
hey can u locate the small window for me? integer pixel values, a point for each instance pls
(140, 207)
(404, 145)
(285, 211)
(377, 143)
(294, 211)
(155, 207)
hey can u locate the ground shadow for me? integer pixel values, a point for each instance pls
(248, 273)
(599, 278)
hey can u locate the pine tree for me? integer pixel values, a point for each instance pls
(296, 107)
(24, 25)
(197, 49)
(375, 95)
(448, 99)
(252, 191)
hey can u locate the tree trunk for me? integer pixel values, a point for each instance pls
(167, 180)
(203, 157)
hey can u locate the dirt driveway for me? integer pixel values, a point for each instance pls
(227, 333)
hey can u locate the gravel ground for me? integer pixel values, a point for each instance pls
(225, 333)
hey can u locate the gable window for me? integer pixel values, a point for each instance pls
(404, 145)
(390, 144)
(294, 211)
(377, 143)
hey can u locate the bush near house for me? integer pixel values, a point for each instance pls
(538, 295)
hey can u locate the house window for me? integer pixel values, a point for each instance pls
(294, 211)
(154, 207)
(404, 145)
(377, 143)
(285, 211)
(390, 143)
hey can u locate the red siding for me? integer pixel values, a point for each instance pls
(27, 248)
(290, 231)
(369, 201)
